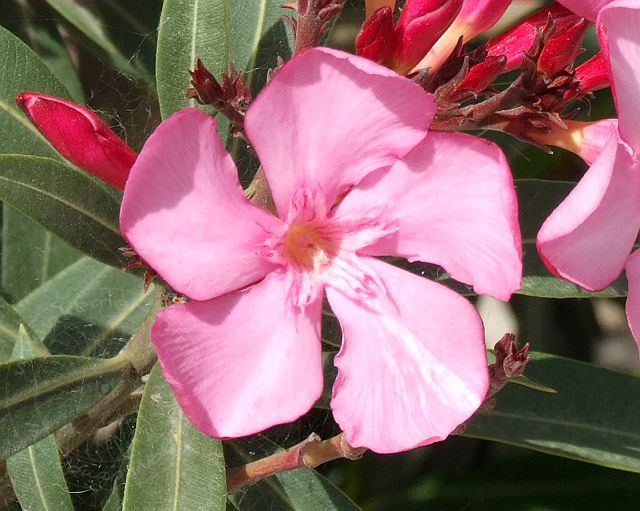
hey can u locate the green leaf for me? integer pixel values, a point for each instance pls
(87, 309)
(114, 502)
(173, 466)
(40, 395)
(249, 34)
(64, 200)
(537, 199)
(9, 324)
(31, 22)
(593, 417)
(302, 489)
(36, 472)
(117, 30)
(22, 71)
(31, 255)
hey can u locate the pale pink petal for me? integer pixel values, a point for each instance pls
(621, 20)
(588, 238)
(242, 362)
(185, 214)
(412, 366)
(454, 204)
(633, 299)
(328, 118)
(587, 8)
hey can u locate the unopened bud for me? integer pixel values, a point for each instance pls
(561, 50)
(80, 136)
(511, 361)
(206, 89)
(517, 40)
(586, 139)
(420, 25)
(475, 17)
(375, 40)
(593, 75)
(482, 75)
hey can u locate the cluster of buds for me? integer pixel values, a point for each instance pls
(427, 43)
(314, 17)
(231, 96)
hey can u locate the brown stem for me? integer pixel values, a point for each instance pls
(307, 454)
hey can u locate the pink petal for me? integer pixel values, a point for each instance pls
(587, 8)
(588, 238)
(412, 365)
(243, 362)
(633, 300)
(329, 118)
(454, 203)
(185, 214)
(621, 20)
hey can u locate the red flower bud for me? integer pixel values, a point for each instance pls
(420, 25)
(80, 136)
(561, 50)
(375, 40)
(593, 75)
(482, 75)
(519, 39)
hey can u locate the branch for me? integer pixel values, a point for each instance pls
(307, 454)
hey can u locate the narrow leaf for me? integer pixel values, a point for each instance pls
(87, 309)
(116, 31)
(31, 255)
(9, 324)
(173, 466)
(592, 417)
(39, 395)
(64, 200)
(36, 472)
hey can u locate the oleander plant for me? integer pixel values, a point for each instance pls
(319, 255)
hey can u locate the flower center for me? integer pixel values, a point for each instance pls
(308, 247)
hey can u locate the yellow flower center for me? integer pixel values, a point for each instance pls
(307, 247)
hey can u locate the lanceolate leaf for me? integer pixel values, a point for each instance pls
(87, 309)
(31, 255)
(248, 34)
(302, 489)
(116, 31)
(64, 200)
(40, 395)
(36, 472)
(594, 415)
(173, 466)
(9, 324)
(22, 70)
(31, 21)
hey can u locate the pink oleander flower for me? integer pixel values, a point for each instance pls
(80, 136)
(354, 175)
(588, 239)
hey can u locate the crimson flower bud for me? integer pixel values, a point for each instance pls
(561, 50)
(375, 40)
(517, 40)
(482, 75)
(593, 75)
(475, 17)
(420, 25)
(80, 136)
